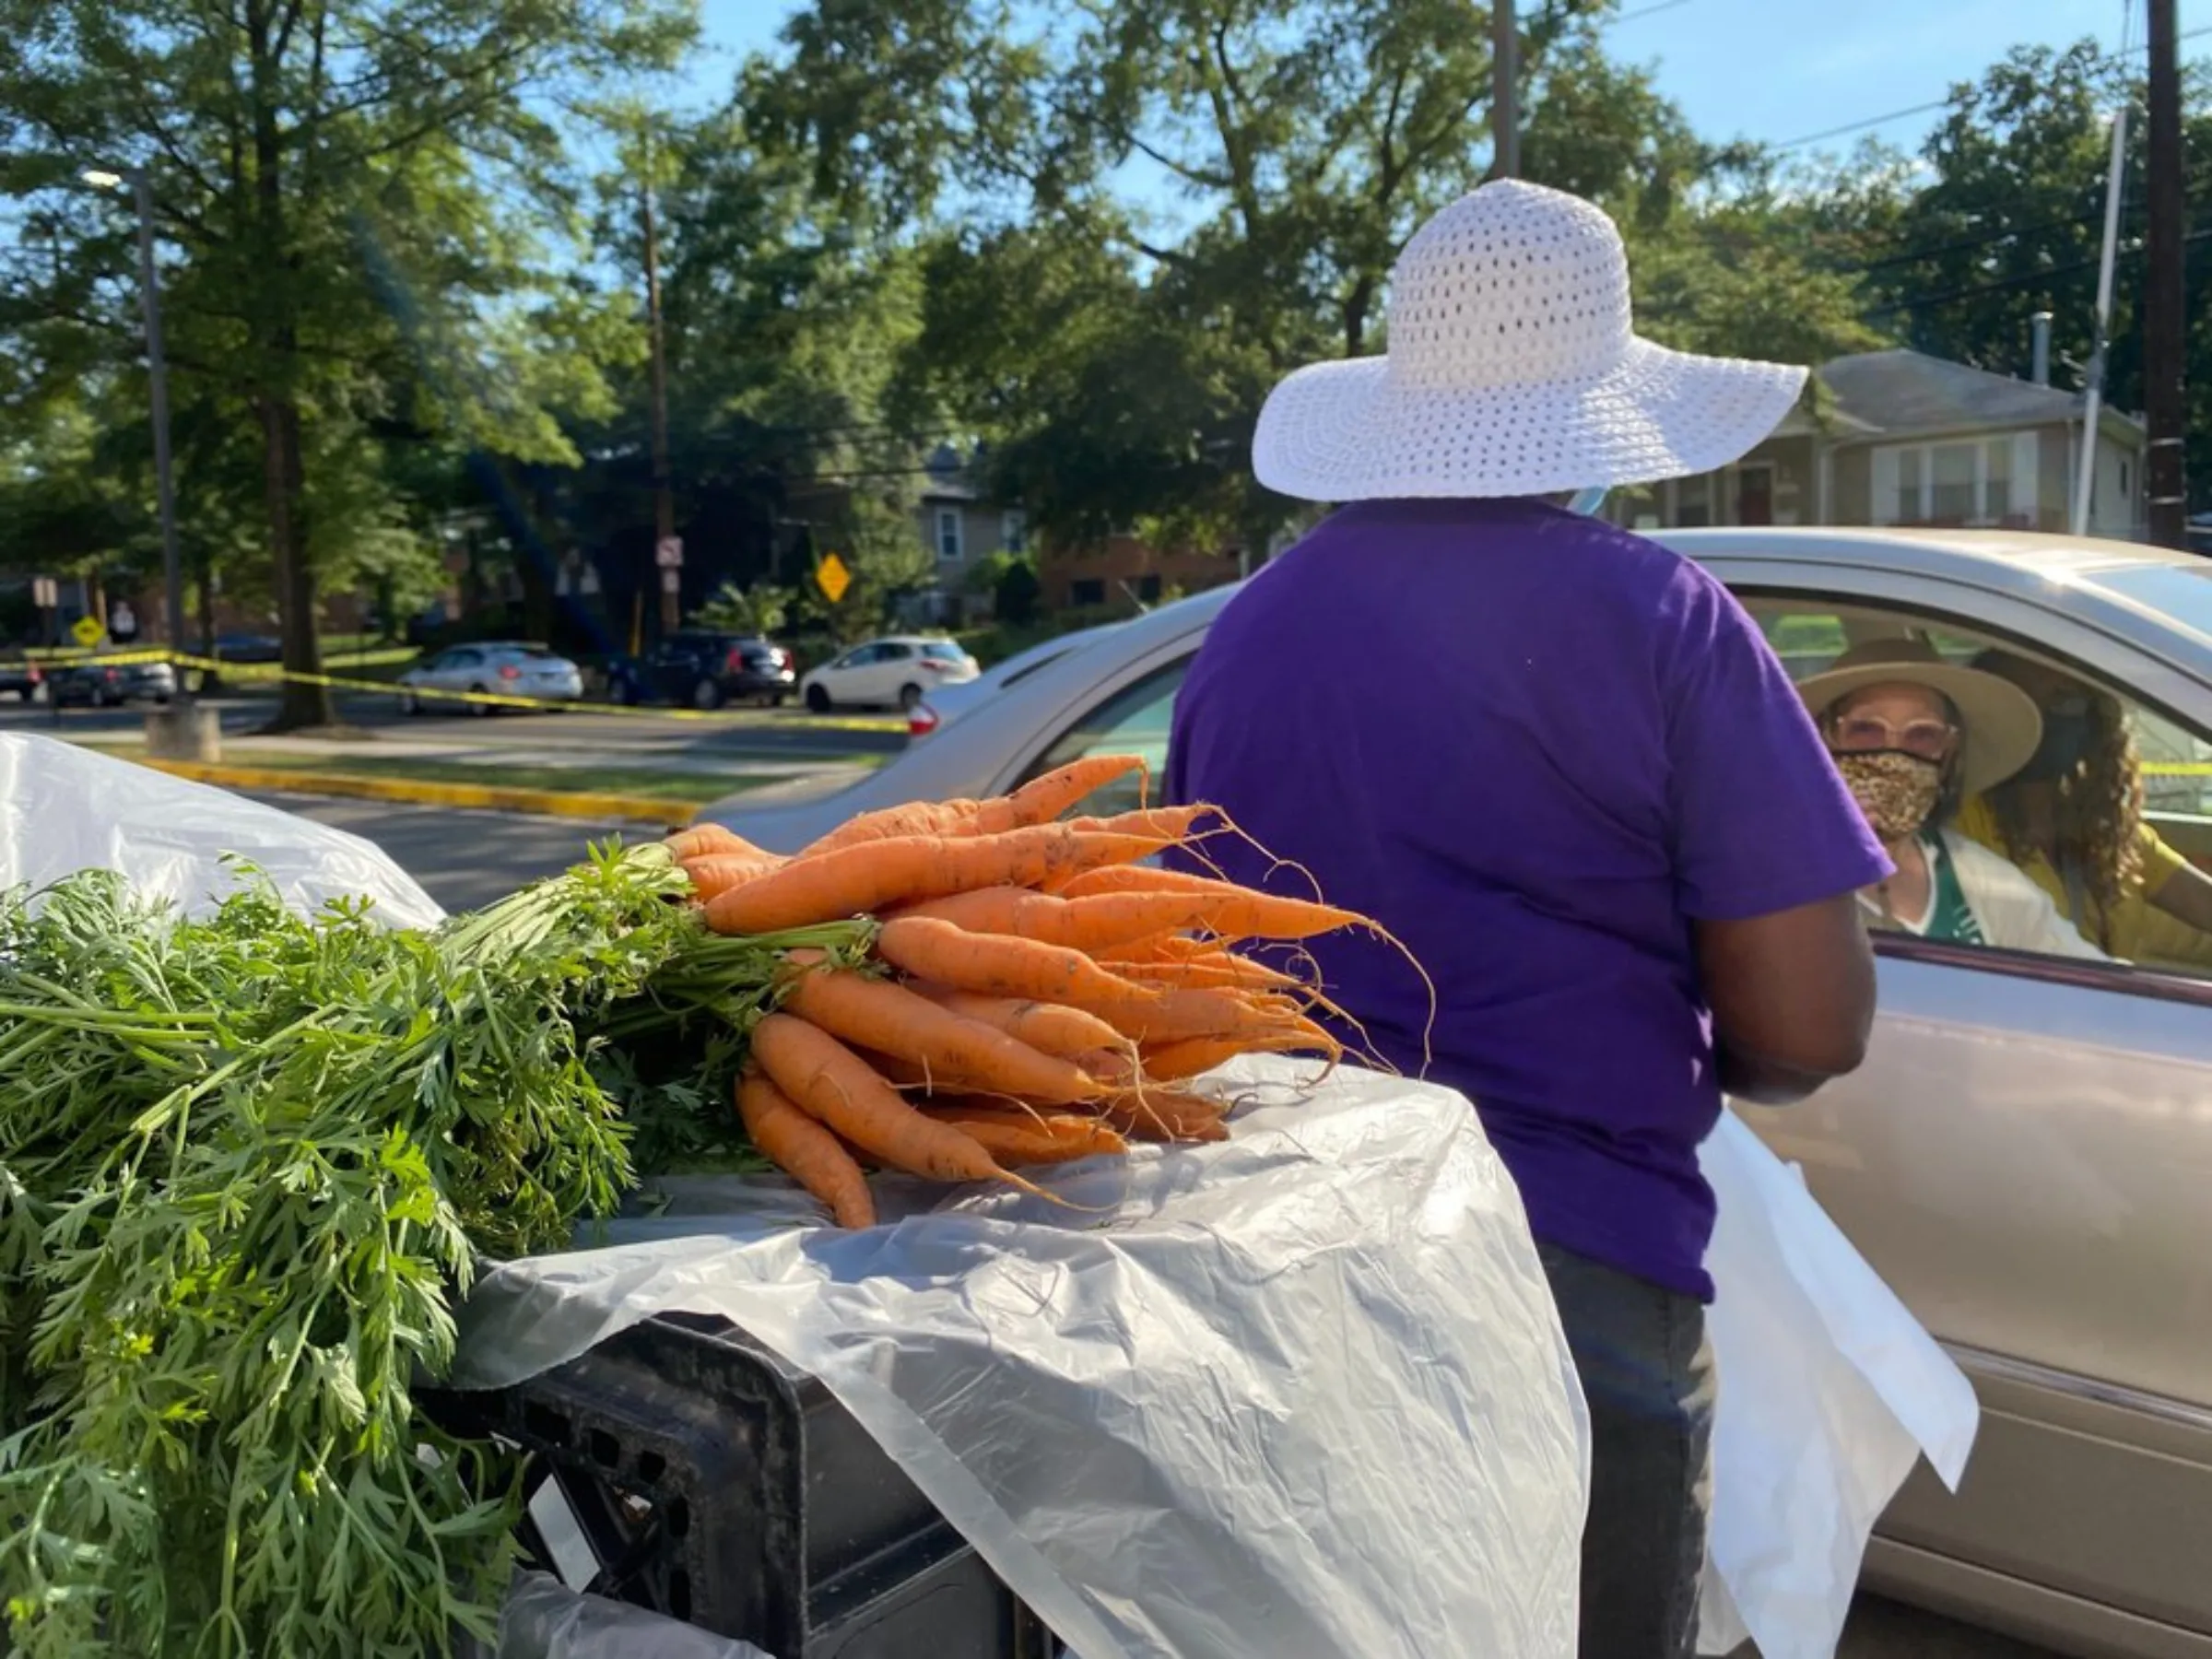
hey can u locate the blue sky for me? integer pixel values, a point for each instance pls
(1774, 70)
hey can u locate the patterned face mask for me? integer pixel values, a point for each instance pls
(1895, 791)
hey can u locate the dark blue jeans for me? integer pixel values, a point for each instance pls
(1647, 1373)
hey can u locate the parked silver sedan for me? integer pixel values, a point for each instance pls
(492, 668)
(2025, 1156)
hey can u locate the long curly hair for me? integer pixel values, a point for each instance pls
(2098, 811)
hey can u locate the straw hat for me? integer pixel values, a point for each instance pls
(1512, 370)
(2001, 723)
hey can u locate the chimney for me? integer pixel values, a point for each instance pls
(2039, 355)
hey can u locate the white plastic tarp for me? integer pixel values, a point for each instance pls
(64, 808)
(1303, 1393)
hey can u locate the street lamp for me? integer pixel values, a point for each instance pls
(157, 369)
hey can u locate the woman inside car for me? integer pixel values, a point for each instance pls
(2072, 818)
(1914, 736)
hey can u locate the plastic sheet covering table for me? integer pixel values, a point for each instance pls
(1299, 1393)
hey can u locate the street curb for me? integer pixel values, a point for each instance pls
(480, 797)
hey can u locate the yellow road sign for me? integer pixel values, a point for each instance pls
(832, 577)
(87, 630)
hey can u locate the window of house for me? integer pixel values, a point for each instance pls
(1085, 591)
(1808, 635)
(1147, 590)
(949, 543)
(1014, 531)
(1976, 481)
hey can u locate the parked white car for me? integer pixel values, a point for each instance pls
(492, 668)
(941, 707)
(2025, 1156)
(896, 672)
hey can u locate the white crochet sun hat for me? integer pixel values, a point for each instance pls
(1513, 369)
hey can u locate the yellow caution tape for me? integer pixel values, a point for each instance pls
(496, 700)
(2177, 769)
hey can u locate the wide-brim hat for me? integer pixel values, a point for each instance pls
(2001, 726)
(1513, 369)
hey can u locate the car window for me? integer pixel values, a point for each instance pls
(2135, 805)
(860, 656)
(944, 650)
(1133, 720)
(463, 659)
(893, 652)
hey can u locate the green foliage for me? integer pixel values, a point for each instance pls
(245, 1163)
(763, 610)
(356, 200)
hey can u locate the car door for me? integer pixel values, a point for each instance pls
(2025, 1157)
(894, 667)
(848, 678)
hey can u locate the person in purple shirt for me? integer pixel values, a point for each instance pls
(1563, 767)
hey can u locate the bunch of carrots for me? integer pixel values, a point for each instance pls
(1033, 994)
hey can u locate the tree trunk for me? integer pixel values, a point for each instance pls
(304, 702)
(206, 587)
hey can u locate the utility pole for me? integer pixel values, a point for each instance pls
(2165, 321)
(2092, 402)
(1505, 74)
(664, 501)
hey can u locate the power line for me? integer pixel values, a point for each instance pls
(2026, 279)
(1647, 11)
(2126, 50)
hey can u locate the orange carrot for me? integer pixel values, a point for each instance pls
(1097, 925)
(1190, 1057)
(837, 1089)
(1161, 1017)
(804, 1150)
(894, 1020)
(1045, 1027)
(1169, 823)
(1161, 1114)
(912, 818)
(716, 873)
(1041, 800)
(999, 965)
(1133, 878)
(704, 841)
(1015, 1137)
(1221, 969)
(876, 875)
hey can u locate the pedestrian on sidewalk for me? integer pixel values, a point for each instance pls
(1562, 765)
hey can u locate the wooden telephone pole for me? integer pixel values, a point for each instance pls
(1505, 74)
(664, 498)
(2165, 316)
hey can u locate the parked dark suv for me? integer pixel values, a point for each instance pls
(705, 670)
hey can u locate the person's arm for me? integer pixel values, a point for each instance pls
(2186, 896)
(1791, 996)
(1769, 852)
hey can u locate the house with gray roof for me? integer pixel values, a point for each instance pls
(1903, 438)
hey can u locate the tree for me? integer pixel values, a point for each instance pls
(1116, 356)
(353, 196)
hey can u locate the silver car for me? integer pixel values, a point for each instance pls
(2026, 1154)
(491, 668)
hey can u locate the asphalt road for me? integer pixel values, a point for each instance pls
(706, 742)
(465, 859)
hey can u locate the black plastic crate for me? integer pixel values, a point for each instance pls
(716, 1485)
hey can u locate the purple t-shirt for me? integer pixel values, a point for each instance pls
(1535, 748)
